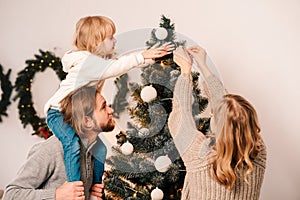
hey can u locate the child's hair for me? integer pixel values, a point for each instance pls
(239, 141)
(91, 31)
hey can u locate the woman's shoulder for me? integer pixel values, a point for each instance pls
(261, 157)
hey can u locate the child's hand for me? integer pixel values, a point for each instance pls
(154, 53)
(157, 52)
(167, 46)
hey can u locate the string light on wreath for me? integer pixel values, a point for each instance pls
(27, 112)
(6, 88)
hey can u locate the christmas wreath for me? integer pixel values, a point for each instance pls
(27, 113)
(6, 88)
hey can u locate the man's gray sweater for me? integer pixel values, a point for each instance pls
(44, 171)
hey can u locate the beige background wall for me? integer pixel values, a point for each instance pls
(254, 44)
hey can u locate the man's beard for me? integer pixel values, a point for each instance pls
(109, 127)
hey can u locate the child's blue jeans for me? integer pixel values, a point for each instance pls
(71, 147)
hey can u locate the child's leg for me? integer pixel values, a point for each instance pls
(70, 142)
(99, 152)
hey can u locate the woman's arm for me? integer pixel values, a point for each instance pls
(216, 90)
(181, 122)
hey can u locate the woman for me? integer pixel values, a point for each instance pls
(229, 163)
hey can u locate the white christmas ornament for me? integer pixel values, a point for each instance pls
(162, 163)
(143, 132)
(127, 148)
(161, 33)
(157, 194)
(148, 93)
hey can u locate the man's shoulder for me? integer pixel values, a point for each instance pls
(51, 145)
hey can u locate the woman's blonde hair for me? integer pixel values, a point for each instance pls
(238, 142)
(91, 31)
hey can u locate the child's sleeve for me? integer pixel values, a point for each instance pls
(95, 68)
(122, 65)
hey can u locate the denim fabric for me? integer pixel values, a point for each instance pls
(70, 142)
(71, 146)
(99, 152)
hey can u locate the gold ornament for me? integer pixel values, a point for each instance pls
(135, 195)
(163, 64)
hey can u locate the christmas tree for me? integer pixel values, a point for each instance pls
(146, 164)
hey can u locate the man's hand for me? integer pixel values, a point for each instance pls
(70, 191)
(97, 191)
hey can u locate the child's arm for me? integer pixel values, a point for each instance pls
(95, 68)
(126, 63)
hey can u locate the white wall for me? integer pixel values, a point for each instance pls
(253, 43)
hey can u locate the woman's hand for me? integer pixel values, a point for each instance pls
(199, 54)
(182, 58)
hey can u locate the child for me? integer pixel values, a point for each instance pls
(94, 43)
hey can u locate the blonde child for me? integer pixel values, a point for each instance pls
(90, 62)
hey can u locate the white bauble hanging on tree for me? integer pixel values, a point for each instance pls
(157, 194)
(161, 33)
(127, 148)
(162, 163)
(148, 93)
(144, 132)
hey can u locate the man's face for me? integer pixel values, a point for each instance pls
(102, 116)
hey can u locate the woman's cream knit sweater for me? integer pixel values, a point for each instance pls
(197, 156)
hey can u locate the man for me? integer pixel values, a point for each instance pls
(43, 176)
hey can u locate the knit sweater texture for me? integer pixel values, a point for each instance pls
(44, 171)
(194, 149)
